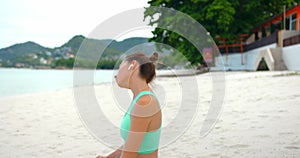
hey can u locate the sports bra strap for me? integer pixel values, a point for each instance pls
(138, 96)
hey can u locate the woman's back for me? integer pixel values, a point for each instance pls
(152, 136)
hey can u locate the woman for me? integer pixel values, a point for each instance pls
(141, 125)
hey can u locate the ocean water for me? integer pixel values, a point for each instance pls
(22, 81)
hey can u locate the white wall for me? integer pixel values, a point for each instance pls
(290, 54)
(291, 57)
(289, 33)
(234, 60)
(251, 55)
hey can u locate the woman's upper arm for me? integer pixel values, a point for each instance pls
(138, 127)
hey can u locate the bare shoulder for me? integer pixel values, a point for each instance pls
(147, 105)
(146, 100)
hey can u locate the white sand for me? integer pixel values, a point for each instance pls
(260, 118)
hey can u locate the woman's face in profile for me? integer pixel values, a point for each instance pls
(122, 77)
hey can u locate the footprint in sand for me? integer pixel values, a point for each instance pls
(264, 136)
(282, 111)
(239, 146)
(292, 147)
(286, 133)
(263, 116)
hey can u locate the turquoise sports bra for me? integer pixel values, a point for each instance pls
(151, 139)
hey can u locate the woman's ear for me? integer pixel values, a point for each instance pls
(135, 64)
(129, 67)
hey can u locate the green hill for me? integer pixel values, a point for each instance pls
(21, 49)
(30, 54)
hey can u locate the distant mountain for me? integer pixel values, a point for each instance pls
(128, 43)
(30, 54)
(121, 46)
(74, 42)
(21, 49)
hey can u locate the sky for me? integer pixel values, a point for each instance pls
(51, 23)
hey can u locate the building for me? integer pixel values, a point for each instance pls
(274, 43)
(276, 23)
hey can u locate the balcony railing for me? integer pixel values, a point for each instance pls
(262, 42)
(291, 41)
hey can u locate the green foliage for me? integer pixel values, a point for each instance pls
(68, 63)
(174, 59)
(7, 64)
(222, 13)
(223, 18)
(106, 64)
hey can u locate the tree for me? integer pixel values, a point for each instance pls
(223, 18)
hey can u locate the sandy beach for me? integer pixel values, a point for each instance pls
(260, 117)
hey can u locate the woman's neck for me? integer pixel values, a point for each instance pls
(138, 87)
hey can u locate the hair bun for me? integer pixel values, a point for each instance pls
(154, 57)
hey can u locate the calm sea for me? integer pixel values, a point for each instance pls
(20, 81)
